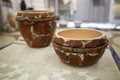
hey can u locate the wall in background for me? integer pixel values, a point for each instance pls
(87, 10)
(112, 18)
(4, 10)
(90, 11)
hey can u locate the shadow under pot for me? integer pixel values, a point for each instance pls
(37, 26)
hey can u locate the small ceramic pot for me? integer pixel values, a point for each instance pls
(80, 38)
(77, 56)
(37, 27)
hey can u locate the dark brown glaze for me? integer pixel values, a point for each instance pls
(80, 43)
(37, 28)
(77, 56)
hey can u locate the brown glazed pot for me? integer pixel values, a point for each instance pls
(80, 38)
(37, 26)
(77, 56)
(80, 47)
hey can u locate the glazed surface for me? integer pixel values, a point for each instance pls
(37, 26)
(79, 57)
(36, 11)
(35, 15)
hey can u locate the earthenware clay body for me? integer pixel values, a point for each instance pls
(67, 47)
(37, 27)
(79, 57)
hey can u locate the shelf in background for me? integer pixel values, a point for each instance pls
(101, 26)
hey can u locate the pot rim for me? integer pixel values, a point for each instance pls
(66, 38)
(36, 11)
(36, 15)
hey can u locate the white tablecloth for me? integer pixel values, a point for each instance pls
(20, 62)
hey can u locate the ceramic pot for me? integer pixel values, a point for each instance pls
(37, 26)
(77, 56)
(80, 38)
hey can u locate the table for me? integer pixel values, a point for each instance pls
(20, 62)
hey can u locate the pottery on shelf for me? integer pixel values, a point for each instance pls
(71, 50)
(37, 26)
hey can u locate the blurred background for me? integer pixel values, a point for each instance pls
(99, 11)
(98, 14)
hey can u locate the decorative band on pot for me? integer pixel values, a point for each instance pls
(77, 56)
(80, 38)
(37, 26)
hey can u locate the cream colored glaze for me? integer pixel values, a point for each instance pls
(36, 35)
(80, 33)
(81, 57)
(92, 54)
(27, 18)
(30, 42)
(36, 11)
(84, 43)
(67, 54)
(66, 61)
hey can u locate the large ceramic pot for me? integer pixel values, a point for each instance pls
(80, 47)
(37, 26)
(77, 56)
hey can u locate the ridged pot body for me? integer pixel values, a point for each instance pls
(37, 27)
(79, 57)
(80, 47)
